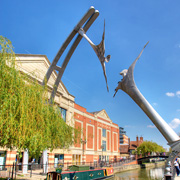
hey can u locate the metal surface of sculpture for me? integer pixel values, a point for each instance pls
(88, 20)
(128, 85)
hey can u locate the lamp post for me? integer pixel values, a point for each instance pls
(83, 142)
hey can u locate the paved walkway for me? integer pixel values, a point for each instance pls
(34, 176)
(177, 178)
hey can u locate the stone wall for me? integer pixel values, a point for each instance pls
(126, 168)
(137, 166)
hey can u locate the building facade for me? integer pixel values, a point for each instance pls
(123, 138)
(133, 145)
(99, 138)
(123, 143)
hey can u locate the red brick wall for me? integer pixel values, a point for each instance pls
(99, 139)
(90, 137)
(108, 140)
(95, 136)
(10, 157)
(115, 142)
(89, 158)
(78, 126)
(80, 108)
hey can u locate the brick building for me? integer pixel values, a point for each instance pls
(134, 144)
(99, 140)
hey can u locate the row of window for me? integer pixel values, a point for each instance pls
(63, 115)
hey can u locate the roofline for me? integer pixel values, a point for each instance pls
(40, 55)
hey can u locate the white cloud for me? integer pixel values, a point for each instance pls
(178, 110)
(175, 123)
(178, 94)
(155, 104)
(170, 94)
(151, 126)
(177, 45)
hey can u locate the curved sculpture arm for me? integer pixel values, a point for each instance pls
(128, 76)
(128, 85)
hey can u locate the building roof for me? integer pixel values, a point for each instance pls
(124, 149)
(36, 66)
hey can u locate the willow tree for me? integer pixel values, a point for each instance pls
(27, 121)
(148, 147)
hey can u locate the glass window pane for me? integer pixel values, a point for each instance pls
(104, 145)
(104, 132)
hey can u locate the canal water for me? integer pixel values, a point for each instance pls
(141, 174)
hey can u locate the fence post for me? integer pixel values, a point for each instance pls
(12, 171)
(31, 171)
(15, 168)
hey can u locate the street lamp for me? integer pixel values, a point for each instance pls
(83, 142)
(102, 147)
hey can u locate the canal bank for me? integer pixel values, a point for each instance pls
(128, 167)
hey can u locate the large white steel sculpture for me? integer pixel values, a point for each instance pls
(128, 85)
(81, 28)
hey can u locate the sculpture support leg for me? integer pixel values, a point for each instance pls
(159, 122)
(45, 161)
(25, 162)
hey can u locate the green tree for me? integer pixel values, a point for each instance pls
(27, 121)
(148, 147)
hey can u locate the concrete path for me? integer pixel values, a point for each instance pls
(34, 177)
(177, 178)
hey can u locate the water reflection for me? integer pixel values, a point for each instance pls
(142, 174)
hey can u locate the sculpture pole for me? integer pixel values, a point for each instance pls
(128, 85)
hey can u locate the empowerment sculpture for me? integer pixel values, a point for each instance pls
(88, 20)
(128, 85)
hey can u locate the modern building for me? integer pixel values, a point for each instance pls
(123, 143)
(123, 138)
(99, 140)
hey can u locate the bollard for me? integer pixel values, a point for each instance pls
(168, 174)
(167, 177)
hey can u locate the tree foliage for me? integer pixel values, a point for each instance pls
(27, 121)
(148, 147)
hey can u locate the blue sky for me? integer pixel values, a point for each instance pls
(40, 27)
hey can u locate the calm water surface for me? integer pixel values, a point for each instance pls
(142, 174)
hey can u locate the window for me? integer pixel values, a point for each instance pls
(2, 159)
(104, 145)
(63, 113)
(104, 132)
(76, 159)
(58, 159)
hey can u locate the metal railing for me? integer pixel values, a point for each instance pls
(33, 169)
